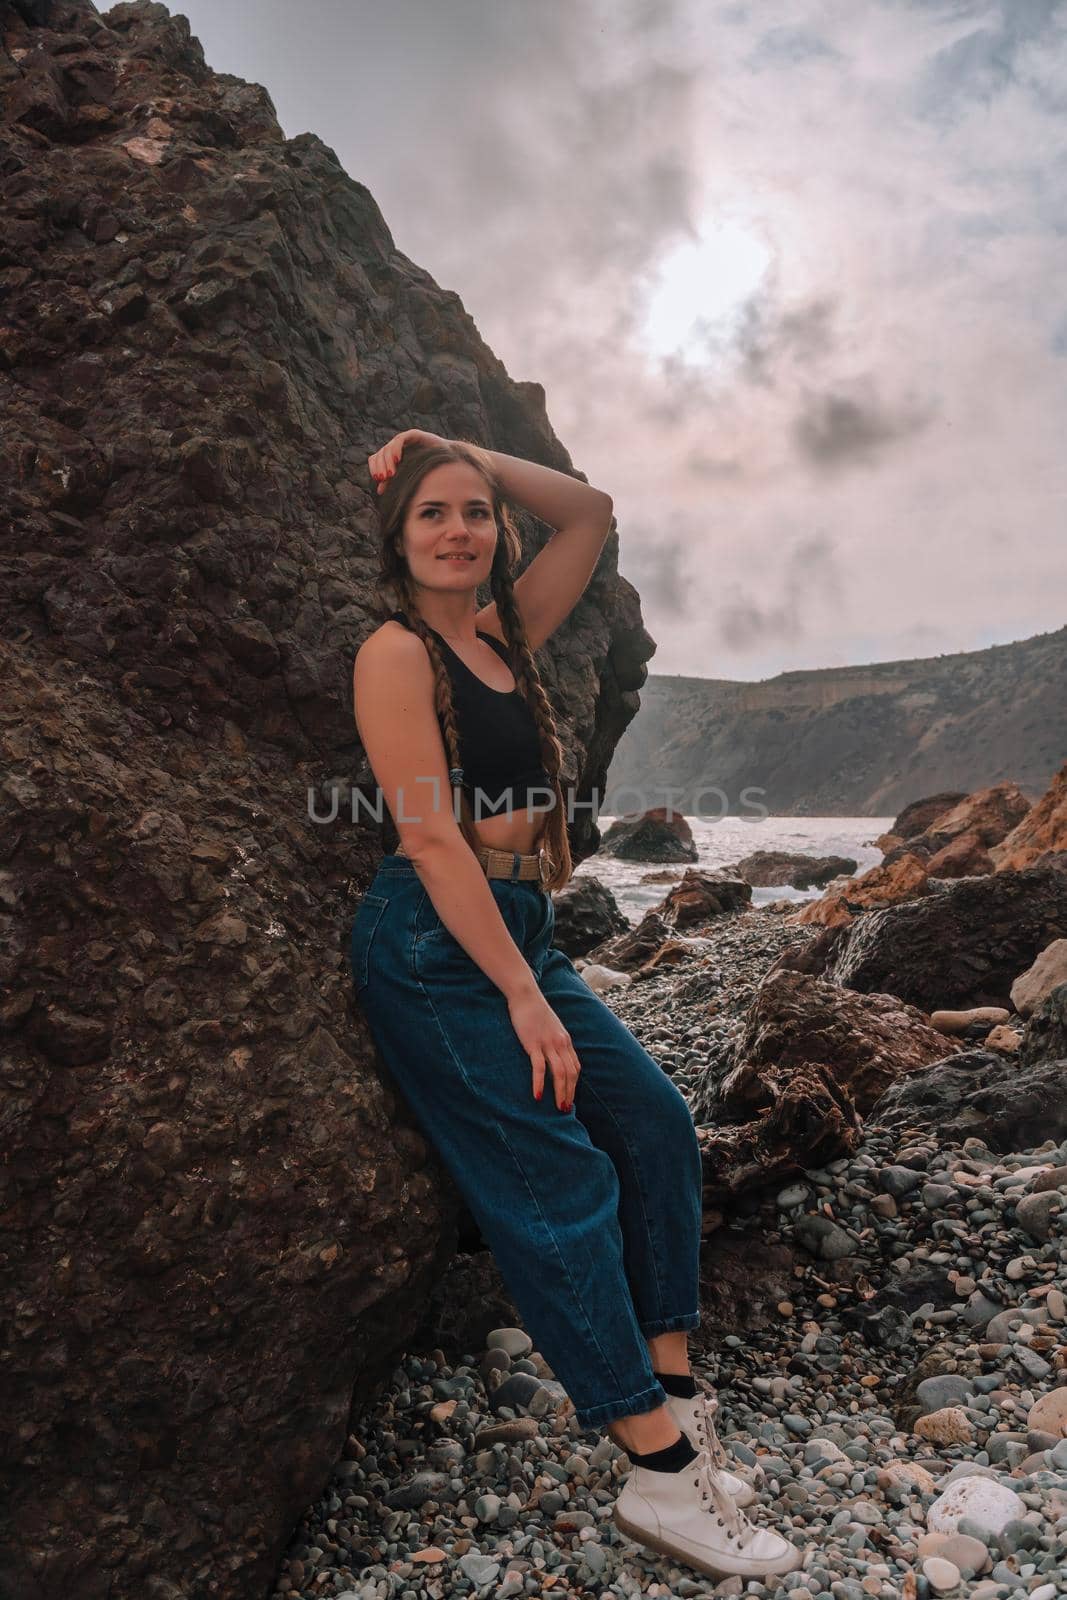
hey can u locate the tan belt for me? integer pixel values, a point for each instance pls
(500, 863)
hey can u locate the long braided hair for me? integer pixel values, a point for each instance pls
(392, 504)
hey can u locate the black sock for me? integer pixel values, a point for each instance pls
(672, 1458)
(683, 1385)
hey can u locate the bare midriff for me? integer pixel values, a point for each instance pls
(510, 833)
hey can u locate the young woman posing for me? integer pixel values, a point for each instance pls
(589, 1198)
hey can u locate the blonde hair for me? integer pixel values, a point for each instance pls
(415, 462)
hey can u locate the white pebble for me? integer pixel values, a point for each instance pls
(940, 1574)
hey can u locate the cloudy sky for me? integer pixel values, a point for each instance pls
(792, 273)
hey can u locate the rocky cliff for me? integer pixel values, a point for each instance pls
(219, 1222)
(849, 741)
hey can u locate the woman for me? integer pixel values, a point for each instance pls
(590, 1199)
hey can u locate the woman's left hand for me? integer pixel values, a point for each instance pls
(383, 462)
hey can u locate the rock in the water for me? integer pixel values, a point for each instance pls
(650, 836)
(768, 868)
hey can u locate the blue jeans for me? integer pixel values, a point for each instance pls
(593, 1215)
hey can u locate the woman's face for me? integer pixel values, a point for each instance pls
(450, 514)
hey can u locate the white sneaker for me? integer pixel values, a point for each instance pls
(689, 1515)
(695, 1418)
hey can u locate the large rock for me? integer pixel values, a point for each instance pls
(220, 1223)
(769, 868)
(700, 895)
(650, 836)
(916, 817)
(586, 916)
(694, 900)
(985, 816)
(1032, 987)
(1011, 1106)
(805, 1119)
(962, 947)
(1045, 1035)
(904, 878)
(1041, 830)
(865, 1041)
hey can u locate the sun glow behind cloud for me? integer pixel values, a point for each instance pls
(699, 288)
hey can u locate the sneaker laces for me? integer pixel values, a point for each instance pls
(738, 1527)
(708, 1405)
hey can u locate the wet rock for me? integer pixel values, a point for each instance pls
(649, 836)
(768, 868)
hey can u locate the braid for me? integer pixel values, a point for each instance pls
(447, 712)
(553, 837)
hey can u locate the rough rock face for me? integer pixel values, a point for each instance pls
(1045, 1038)
(1012, 1106)
(586, 915)
(1043, 828)
(959, 948)
(866, 1041)
(986, 816)
(220, 1224)
(919, 815)
(884, 885)
(805, 1119)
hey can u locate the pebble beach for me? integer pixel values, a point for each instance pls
(921, 1454)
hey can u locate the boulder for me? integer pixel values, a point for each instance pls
(806, 1119)
(865, 1041)
(1011, 1106)
(885, 885)
(769, 868)
(586, 916)
(1041, 831)
(650, 836)
(962, 947)
(704, 894)
(983, 818)
(964, 857)
(221, 1225)
(918, 816)
(1034, 985)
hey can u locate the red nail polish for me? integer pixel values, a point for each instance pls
(539, 1093)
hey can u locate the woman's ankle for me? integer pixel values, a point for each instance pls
(645, 1431)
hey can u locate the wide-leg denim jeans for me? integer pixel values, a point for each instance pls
(593, 1215)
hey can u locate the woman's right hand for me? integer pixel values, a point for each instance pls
(546, 1041)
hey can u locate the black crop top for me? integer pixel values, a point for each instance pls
(500, 748)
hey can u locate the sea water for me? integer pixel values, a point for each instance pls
(723, 841)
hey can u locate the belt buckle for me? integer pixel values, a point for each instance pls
(543, 869)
